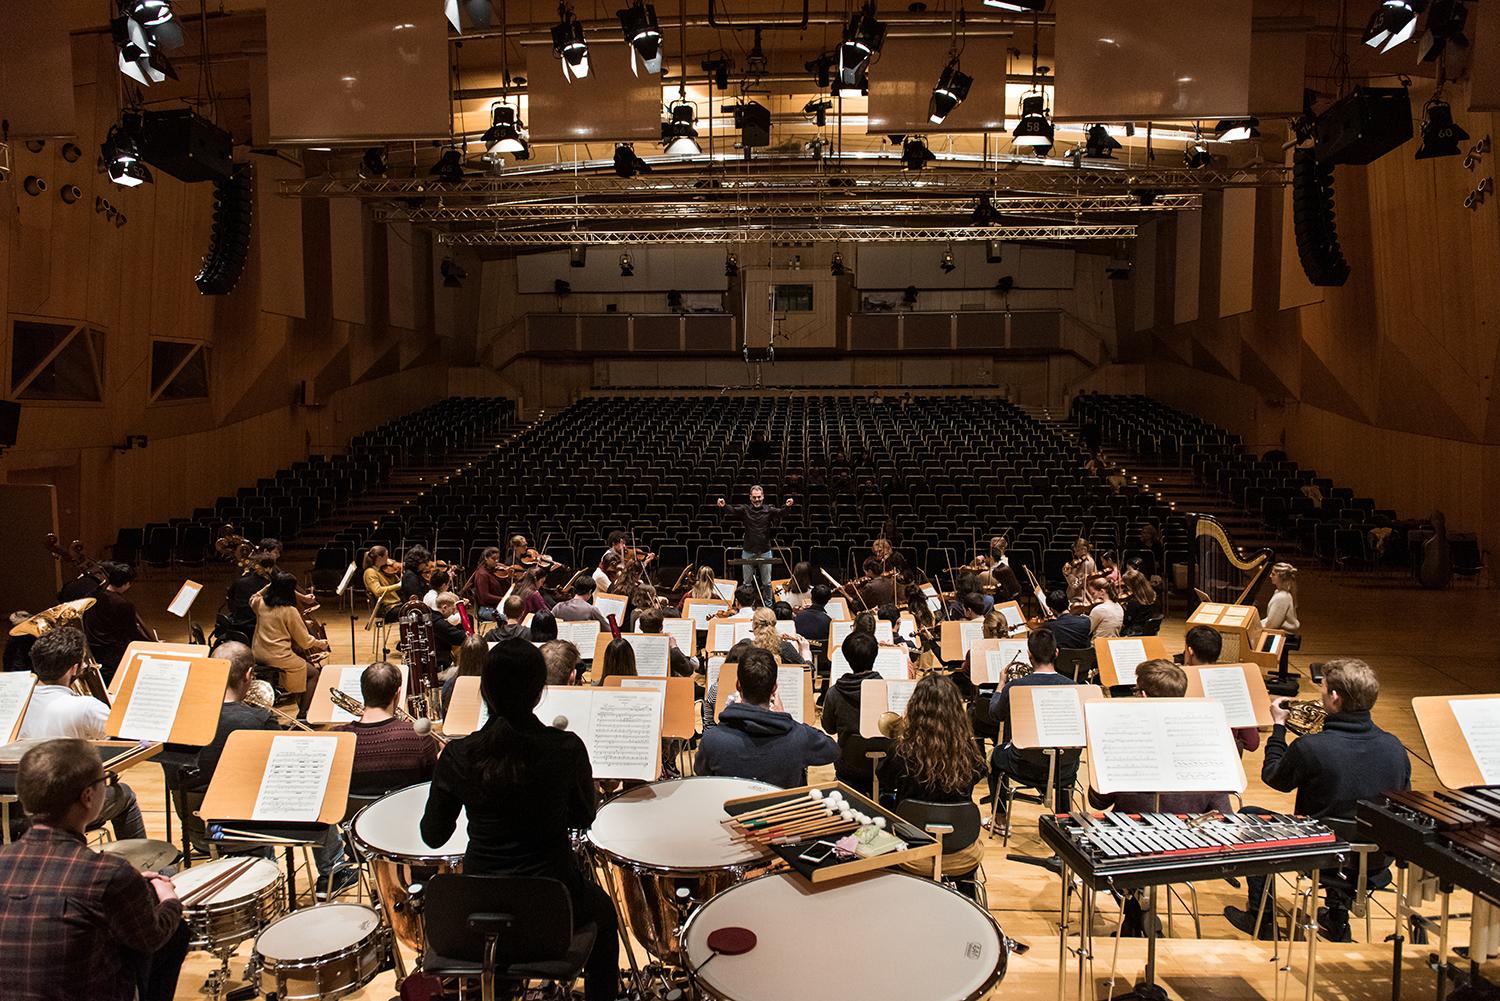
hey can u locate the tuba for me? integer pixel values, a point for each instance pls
(1305, 716)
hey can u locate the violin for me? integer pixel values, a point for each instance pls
(391, 568)
(531, 559)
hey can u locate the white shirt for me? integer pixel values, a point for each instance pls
(58, 711)
(430, 599)
(1281, 613)
(1108, 619)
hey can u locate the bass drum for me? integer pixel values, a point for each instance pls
(387, 834)
(658, 839)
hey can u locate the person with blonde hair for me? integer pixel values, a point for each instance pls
(1107, 616)
(765, 637)
(1281, 610)
(703, 585)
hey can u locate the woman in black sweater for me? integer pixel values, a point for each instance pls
(525, 785)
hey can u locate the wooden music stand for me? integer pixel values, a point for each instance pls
(462, 717)
(658, 667)
(1149, 716)
(677, 711)
(874, 702)
(1015, 618)
(1452, 755)
(581, 705)
(886, 664)
(197, 718)
(700, 609)
(136, 650)
(1113, 674)
(728, 682)
(1259, 700)
(236, 783)
(579, 633)
(1023, 720)
(320, 711)
(612, 603)
(839, 630)
(979, 658)
(950, 637)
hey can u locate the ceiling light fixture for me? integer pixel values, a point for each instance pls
(836, 265)
(627, 163)
(449, 167)
(863, 39)
(1445, 24)
(627, 267)
(1393, 22)
(122, 153)
(1100, 145)
(373, 163)
(678, 136)
(947, 263)
(578, 256)
(1017, 6)
(479, 12)
(731, 265)
(952, 87)
(453, 273)
(914, 152)
(1440, 133)
(138, 53)
(1231, 130)
(639, 25)
(568, 44)
(1034, 132)
(505, 133)
(1196, 155)
(985, 213)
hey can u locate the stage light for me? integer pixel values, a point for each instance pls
(1231, 130)
(1445, 24)
(627, 267)
(373, 163)
(504, 134)
(915, 154)
(1440, 133)
(909, 296)
(731, 266)
(720, 68)
(863, 38)
(822, 69)
(946, 262)
(678, 136)
(449, 167)
(453, 273)
(952, 87)
(1017, 6)
(836, 265)
(985, 213)
(578, 256)
(122, 153)
(817, 110)
(139, 56)
(479, 12)
(149, 13)
(1100, 145)
(627, 164)
(1034, 131)
(568, 44)
(1392, 23)
(1196, 155)
(639, 25)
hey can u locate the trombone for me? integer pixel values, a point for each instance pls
(354, 707)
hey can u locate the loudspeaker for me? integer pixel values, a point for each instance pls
(234, 200)
(1363, 126)
(10, 421)
(754, 123)
(186, 145)
(1312, 215)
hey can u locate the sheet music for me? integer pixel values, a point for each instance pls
(1012, 612)
(725, 633)
(344, 583)
(790, 683)
(1228, 686)
(725, 588)
(15, 686)
(608, 606)
(998, 659)
(580, 634)
(1059, 715)
(838, 608)
(348, 683)
(897, 695)
(1127, 653)
(655, 684)
(934, 602)
(295, 779)
(970, 632)
(891, 663)
(714, 666)
(907, 626)
(1210, 610)
(839, 630)
(154, 699)
(701, 610)
(1479, 722)
(681, 630)
(1162, 745)
(621, 727)
(651, 653)
(186, 595)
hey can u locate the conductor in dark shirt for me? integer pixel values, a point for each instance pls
(525, 785)
(1349, 760)
(761, 521)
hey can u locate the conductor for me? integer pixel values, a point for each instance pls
(761, 521)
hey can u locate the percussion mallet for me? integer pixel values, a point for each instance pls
(840, 818)
(812, 795)
(773, 829)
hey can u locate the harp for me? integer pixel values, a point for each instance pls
(1220, 571)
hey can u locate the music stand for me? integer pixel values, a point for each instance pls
(1026, 734)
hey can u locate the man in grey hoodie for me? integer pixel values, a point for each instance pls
(755, 739)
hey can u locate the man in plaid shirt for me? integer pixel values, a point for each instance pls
(75, 923)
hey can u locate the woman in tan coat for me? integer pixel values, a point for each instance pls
(282, 640)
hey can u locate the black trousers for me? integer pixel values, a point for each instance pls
(156, 972)
(601, 973)
(1338, 886)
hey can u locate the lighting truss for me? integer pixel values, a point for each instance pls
(523, 213)
(824, 234)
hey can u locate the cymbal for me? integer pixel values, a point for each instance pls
(145, 854)
(39, 623)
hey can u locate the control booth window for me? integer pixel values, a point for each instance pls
(794, 298)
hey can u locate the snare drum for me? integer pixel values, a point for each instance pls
(660, 838)
(388, 834)
(899, 937)
(325, 951)
(237, 911)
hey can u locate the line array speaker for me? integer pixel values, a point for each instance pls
(234, 200)
(1312, 216)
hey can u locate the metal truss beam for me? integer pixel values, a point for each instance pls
(826, 234)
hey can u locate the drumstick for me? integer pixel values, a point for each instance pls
(841, 827)
(844, 817)
(812, 796)
(214, 884)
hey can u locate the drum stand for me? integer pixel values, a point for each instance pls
(214, 985)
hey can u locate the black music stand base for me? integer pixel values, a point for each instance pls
(1144, 992)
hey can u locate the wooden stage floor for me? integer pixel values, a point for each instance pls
(1421, 643)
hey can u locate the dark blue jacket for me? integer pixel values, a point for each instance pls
(752, 742)
(812, 623)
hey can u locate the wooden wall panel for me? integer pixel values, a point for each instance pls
(1237, 251)
(346, 234)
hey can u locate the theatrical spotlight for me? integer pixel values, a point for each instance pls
(822, 69)
(1100, 145)
(946, 262)
(1231, 130)
(817, 110)
(1196, 155)
(1034, 131)
(914, 153)
(985, 213)
(638, 24)
(1017, 6)
(149, 13)
(122, 153)
(627, 164)
(952, 87)
(453, 273)
(678, 136)
(449, 167)
(139, 53)
(1440, 133)
(479, 12)
(836, 265)
(373, 163)
(1445, 24)
(568, 44)
(731, 266)
(1393, 22)
(863, 38)
(505, 132)
(627, 267)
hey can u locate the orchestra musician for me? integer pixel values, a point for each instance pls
(879, 585)
(562, 660)
(841, 707)
(1106, 614)
(1071, 630)
(1139, 596)
(886, 557)
(679, 663)
(447, 628)
(1077, 572)
(1201, 646)
(580, 607)
(1350, 759)
(812, 622)
(617, 556)
(525, 785)
(282, 639)
(489, 586)
(1281, 609)
(756, 738)
(510, 627)
(798, 589)
(416, 567)
(760, 521)
(238, 615)
(529, 590)
(472, 654)
(388, 752)
(1028, 766)
(55, 710)
(382, 580)
(765, 637)
(703, 585)
(1000, 577)
(76, 923)
(112, 624)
